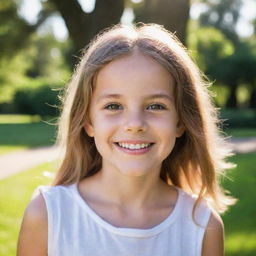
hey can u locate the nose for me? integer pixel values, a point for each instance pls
(135, 122)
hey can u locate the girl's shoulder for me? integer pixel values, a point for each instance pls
(213, 242)
(35, 212)
(33, 232)
(189, 201)
(53, 192)
(209, 220)
(34, 229)
(197, 212)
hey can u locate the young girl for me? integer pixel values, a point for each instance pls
(143, 155)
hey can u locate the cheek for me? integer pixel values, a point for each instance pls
(165, 128)
(104, 127)
(106, 121)
(166, 124)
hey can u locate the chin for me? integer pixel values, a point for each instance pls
(134, 173)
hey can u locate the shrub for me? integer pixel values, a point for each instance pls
(238, 118)
(41, 100)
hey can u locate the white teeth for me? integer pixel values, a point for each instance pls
(133, 146)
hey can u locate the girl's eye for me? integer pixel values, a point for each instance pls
(156, 107)
(113, 106)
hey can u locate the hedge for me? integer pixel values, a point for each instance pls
(39, 101)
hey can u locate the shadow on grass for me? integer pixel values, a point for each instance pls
(27, 134)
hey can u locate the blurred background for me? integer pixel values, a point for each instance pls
(40, 44)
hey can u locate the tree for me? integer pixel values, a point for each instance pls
(173, 15)
(208, 45)
(235, 69)
(15, 30)
(224, 15)
(83, 26)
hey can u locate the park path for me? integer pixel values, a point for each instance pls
(19, 161)
(23, 160)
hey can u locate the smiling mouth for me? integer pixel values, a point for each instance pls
(136, 146)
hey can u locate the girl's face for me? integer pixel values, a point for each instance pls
(132, 115)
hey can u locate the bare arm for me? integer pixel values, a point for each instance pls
(33, 232)
(213, 244)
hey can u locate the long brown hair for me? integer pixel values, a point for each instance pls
(198, 158)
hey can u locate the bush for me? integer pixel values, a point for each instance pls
(42, 100)
(7, 108)
(238, 118)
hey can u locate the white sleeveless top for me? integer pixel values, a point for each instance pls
(74, 229)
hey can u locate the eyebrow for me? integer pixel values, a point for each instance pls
(150, 97)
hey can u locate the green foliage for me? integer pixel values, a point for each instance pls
(15, 31)
(220, 93)
(238, 118)
(223, 15)
(208, 45)
(42, 61)
(12, 75)
(46, 57)
(42, 100)
(239, 66)
(11, 25)
(231, 66)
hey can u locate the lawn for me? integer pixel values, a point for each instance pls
(240, 221)
(15, 193)
(20, 132)
(242, 132)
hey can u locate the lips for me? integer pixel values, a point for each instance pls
(134, 147)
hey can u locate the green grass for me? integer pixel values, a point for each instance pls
(19, 132)
(10, 149)
(240, 221)
(16, 119)
(242, 132)
(15, 136)
(15, 193)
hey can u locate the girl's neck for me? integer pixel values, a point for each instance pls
(127, 192)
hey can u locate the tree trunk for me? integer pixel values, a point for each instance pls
(232, 99)
(172, 14)
(252, 102)
(83, 26)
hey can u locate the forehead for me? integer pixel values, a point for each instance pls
(135, 73)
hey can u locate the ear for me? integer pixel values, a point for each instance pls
(180, 129)
(89, 128)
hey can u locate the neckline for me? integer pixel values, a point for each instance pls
(130, 232)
